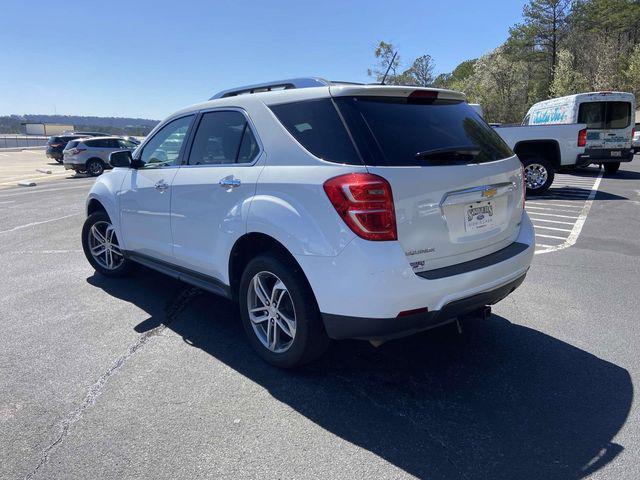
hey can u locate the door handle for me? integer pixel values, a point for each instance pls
(229, 182)
(161, 186)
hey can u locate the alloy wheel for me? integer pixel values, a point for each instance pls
(271, 312)
(104, 246)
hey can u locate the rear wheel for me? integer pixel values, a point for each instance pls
(611, 168)
(59, 160)
(279, 312)
(539, 174)
(95, 167)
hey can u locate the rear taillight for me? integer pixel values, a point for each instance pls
(75, 151)
(633, 133)
(365, 203)
(582, 137)
(56, 145)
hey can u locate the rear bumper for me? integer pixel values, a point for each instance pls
(594, 155)
(53, 154)
(74, 166)
(342, 327)
(362, 291)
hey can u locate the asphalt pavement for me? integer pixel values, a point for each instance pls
(147, 377)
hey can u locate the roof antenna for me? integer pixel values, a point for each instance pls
(389, 67)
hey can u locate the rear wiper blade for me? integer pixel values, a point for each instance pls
(460, 151)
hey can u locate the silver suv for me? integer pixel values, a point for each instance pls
(91, 155)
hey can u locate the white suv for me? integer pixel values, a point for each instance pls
(326, 210)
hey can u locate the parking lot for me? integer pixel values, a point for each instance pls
(147, 376)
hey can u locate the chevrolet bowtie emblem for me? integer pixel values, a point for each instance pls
(489, 192)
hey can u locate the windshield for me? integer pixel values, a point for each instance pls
(401, 131)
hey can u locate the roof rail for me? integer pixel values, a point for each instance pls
(277, 85)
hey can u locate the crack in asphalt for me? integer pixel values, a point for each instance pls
(178, 304)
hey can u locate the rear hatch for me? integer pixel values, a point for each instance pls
(457, 187)
(609, 125)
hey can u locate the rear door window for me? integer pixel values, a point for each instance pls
(398, 131)
(317, 126)
(618, 114)
(593, 114)
(223, 137)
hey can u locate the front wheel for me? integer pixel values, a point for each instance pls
(538, 174)
(611, 168)
(279, 312)
(101, 246)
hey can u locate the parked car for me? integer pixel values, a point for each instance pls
(576, 130)
(326, 210)
(57, 143)
(91, 155)
(636, 138)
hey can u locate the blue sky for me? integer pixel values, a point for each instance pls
(150, 58)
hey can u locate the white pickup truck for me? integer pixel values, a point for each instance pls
(576, 130)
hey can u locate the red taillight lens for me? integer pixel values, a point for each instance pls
(56, 145)
(582, 137)
(365, 203)
(633, 133)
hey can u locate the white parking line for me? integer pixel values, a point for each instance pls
(549, 236)
(551, 214)
(560, 222)
(533, 207)
(33, 224)
(577, 227)
(563, 205)
(554, 228)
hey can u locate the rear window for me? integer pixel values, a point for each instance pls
(72, 144)
(400, 131)
(603, 115)
(317, 126)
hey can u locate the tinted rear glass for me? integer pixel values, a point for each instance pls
(72, 144)
(391, 131)
(316, 125)
(602, 115)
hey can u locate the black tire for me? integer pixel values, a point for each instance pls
(310, 339)
(611, 168)
(531, 163)
(95, 167)
(59, 160)
(94, 218)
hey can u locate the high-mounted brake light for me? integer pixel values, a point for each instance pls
(582, 137)
(423, 94)
(365, 202)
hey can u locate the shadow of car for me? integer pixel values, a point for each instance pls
(500, 401)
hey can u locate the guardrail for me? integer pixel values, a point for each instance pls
(20, 141)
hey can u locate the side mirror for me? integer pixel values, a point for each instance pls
(121, 158)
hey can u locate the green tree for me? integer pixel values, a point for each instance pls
(566, 79)
(537, 39)
(384, 54)
(420, 73)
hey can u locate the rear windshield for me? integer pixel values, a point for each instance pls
(72, 144)
(603, 115)
(392, 131)
(402, 131)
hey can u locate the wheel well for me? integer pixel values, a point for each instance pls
(546, 149)
(247, 247)
(95, 206)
